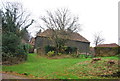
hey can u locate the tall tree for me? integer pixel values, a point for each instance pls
(62, 23)
(14, 25)
(15, 19)
(98, 39)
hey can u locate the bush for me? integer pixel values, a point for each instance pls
(75, 55)
(12, 47)
(49, 48)
(6, 56)
(62, 50)
(59, 53)
(31, 49)
(9, 42)
(27, 47)
(21, 52)
(51, 53)
(70, 50)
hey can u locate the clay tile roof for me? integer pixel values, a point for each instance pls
(46, 33)
(32, 41)
(78, 37)
(108, 45)
(74, 36)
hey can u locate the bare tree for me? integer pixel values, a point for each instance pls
(62, 23)
(98, 39)
(61, 19)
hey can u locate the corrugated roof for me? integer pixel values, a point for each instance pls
(72, 36)
(108, 45)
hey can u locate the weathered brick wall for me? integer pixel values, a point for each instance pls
(41, 42)
(107, 51)
(83, 47)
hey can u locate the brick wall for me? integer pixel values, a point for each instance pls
(107, 51)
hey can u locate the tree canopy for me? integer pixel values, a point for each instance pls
(14, 25)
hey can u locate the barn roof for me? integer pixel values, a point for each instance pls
(32, 41)
(108, 45)
(73, 36)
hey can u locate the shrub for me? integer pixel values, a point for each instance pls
(27, 47)
(62, 50)
(12, 58)
(12, 47)
(49, 48)
(75, 55)
(31, 49)
(21, 52)
(59, 53)
(51, 53)
(9, 42)
(6, 56)
(70, 50)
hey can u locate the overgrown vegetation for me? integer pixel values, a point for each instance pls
(65, 68)
(51, 50)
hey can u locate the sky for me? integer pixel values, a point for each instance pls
(94, 15)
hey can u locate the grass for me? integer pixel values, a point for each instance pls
(64, 68)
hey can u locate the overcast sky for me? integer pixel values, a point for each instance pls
(94, 15)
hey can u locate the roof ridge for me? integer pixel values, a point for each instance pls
(74, 36)
(108, 45)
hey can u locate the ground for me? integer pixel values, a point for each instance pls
(12, 76)
(38, 67)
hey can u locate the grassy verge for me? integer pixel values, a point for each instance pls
(64, 68)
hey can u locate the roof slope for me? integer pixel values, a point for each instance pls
(108, 45)
(32, 41)
(73, 36)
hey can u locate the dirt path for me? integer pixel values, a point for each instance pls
(11, 76)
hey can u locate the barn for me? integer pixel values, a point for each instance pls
(75, 40)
